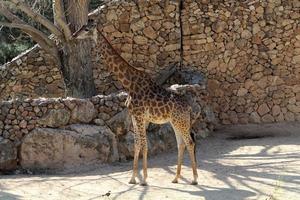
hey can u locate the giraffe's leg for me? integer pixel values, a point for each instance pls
(180, 147)
(144, 148)
(181, 126)
(191, 149)
(140, 144)
(145, 152)
(137, 147)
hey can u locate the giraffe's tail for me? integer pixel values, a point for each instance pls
(194, 115)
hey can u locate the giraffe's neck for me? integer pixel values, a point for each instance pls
(129, 77)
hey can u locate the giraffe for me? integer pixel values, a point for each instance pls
(147, 103)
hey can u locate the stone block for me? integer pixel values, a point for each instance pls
(8, 155)
(77, 145)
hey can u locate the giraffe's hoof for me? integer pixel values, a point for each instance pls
(194, 183)
(132, 181)
(143, 183)
(175, 180)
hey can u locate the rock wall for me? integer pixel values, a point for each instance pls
(31, 74)
(250, 53)
(59, 133)
(18, 118)
(248, 50)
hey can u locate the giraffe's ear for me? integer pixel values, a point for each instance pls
(86, 31)
(82, 33)
(92, 23)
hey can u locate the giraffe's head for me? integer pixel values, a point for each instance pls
(87, 31)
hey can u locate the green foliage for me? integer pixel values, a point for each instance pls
(95, 4)
(9, 51)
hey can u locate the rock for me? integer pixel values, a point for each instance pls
(1, 125)
(246, 34)
(95, 131)
(219, 26)
(242, 92)
(23, 124)
(170, 8)
(296, 89)
(153, 48)
(122, 28)
(213, 64)
(260, 10)
(8, 155)
(109, 29)
(111, 15)
(99, 122)
(140, 40)
(84, 112)
(168, 25)
(289, 116)
(232, 64)
(293, 108)
(150, 32)
(59, 149)
(276, 110)
(172, 47)
(136, 26)
(121, 123)
(254, 118)
(161, 139)
(296, 59)
(55, 118)
(263, 109)
(267, 118)
(255, 28)
(126, 146)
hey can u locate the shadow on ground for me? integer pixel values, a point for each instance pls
(246, 168)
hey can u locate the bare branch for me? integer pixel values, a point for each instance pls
(60, 18)
(28, 28)
(38, 17)
(37, 37)
(6, 13)
(47, 44)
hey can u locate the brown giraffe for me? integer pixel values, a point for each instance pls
(147, 102)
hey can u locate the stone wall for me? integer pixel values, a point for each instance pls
(31, 74)
(57, 133)
(18, 118)
(250, 53)
(248, 50)
(146, 34)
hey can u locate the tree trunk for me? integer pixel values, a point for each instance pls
(73, 56)
(77, 13)
(77, 69)
(76, 65)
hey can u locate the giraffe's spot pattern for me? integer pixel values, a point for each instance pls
(148, 101)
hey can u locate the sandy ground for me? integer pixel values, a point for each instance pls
(262, 168)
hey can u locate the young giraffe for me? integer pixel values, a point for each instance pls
(147, 102)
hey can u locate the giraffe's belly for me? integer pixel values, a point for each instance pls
(159, 121)
(157, 118)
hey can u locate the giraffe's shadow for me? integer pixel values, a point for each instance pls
(238, 174)
(241, 181)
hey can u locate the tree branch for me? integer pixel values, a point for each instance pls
(60, 18)
(28, 28)
(47, 44)
(38, 17)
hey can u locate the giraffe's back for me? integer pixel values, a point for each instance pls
(158, 105)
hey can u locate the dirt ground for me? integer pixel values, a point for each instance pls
(234, 164)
